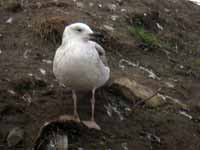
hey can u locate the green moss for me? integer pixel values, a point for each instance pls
(145, 36)
(197, 62)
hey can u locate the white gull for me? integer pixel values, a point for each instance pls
(80, 64)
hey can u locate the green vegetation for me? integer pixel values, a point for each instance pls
(197, 62)
(146, 37)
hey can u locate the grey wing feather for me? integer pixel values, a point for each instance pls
(102, 53)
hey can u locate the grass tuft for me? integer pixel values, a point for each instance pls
(51, 28)
(144, 36)
(197, 62)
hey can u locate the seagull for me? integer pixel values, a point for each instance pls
(80, 64)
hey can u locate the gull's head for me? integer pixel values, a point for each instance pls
(77, 31)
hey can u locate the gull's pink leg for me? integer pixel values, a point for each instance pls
(92, 123)
(76, 116)
(93, 105)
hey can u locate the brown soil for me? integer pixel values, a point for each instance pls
(33, 37)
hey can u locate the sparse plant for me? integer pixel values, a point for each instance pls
(145, 36)
(197, 62)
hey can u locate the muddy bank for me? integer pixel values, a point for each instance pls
(141, 38)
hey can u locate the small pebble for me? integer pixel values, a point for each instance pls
(119, 1)
(112, 7)
(12, 92)
(10, 20)
(55, 1)
(123, 10)
(42, 71)
(166, 10)
(80, 5)
(185, 114)
(47, 61)
(114, 17)
(100, 5)
(30, 74)
(27, 98)
(38, 4)
(169, 85)
(26, 44)
(0, 51)
(181, 66)
(124, 146)
(109, 28)
(91, 4)
(159, 26)
(26, 53)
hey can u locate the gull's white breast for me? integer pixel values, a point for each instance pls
(78, 66)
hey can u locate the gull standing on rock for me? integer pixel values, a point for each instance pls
(80, 64)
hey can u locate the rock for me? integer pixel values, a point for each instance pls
(114, 17)
(167, 10)
(47, 61)
(56, 2)
(39, 4)
(111, 7)
(124, 146)
(91, 4)
(123, 10)
(42, 71)
(26, 53)
(132, 90)
(15, 136)
(1, 35)
(27, 98)
(0, 51)
(9, 21)
(181, 67)
(169, 85)
(120, 2)
(159, 26)
(80, 5)
(13, 93)
(100, 5)
(109, 28)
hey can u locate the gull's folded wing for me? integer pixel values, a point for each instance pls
(102, 53)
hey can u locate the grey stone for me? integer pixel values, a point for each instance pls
(80, 5)
(15, 136)
(133, 90)
(112, 7)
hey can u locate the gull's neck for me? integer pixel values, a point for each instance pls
(66, 41)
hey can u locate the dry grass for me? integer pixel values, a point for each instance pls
(11, 5)
(51, 28)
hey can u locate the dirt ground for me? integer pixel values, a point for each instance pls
(30, 95)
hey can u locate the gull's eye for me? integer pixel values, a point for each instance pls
(79, 29)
